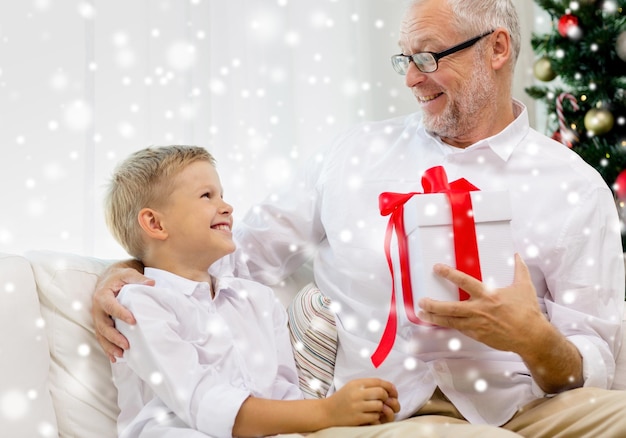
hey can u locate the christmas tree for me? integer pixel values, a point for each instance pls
(582, 64)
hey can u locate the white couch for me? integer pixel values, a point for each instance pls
(54, 378)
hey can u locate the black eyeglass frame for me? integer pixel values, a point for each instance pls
(436, 55)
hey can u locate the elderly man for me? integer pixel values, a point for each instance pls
(533, 358)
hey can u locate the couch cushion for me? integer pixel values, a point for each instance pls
(84, 396)
(26, 408)
(314, 340)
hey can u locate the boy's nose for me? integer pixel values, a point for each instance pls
(226, 208)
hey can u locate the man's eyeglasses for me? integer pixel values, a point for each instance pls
(428, 62)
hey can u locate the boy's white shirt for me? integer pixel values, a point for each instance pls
(194, 360)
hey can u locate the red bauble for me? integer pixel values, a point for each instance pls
(620, 186)
(566, 22)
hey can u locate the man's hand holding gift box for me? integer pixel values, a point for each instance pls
(457, 225)
(490, 315)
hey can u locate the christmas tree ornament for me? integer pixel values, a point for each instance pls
(543, 69)
(566, 23)
(599, 121)
(620, 186)
(567, 136)
(620, 45)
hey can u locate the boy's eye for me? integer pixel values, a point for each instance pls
(206, 195)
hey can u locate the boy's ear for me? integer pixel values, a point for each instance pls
(150, 222)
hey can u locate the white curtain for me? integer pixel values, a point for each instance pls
(260, 83)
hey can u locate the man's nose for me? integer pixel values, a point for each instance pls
(414, 76)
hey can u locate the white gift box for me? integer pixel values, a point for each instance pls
(428, 228)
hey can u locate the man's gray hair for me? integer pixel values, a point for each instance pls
(474, 17)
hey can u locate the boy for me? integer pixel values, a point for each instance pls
(211, 353)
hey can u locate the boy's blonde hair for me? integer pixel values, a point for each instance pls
(144, 180)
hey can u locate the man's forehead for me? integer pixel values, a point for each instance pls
(421, 37)
(424, 23)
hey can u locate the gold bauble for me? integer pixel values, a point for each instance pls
(599, 121)
(543, 69)
(620, 46)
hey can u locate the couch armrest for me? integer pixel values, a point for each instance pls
(26, 407)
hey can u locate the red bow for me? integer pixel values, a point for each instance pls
(434, 180)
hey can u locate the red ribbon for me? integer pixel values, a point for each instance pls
(434, 180)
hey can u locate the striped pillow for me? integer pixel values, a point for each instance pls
(314, 340)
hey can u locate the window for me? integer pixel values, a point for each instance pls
(259, 83)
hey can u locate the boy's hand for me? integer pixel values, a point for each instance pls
(105, 306)
(364, 401)
(390, 409)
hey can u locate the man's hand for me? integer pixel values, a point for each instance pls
(500, 318)
(105, 305)
(509, 319)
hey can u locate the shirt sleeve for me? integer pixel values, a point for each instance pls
(586, 299)
(197, 391)
(281, 233)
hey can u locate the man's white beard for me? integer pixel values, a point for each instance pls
(460, 116)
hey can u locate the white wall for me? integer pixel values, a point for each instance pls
(260, 83)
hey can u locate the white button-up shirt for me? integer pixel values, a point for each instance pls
(564, 225)
(195, 359)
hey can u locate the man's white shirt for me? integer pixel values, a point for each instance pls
(564, 225)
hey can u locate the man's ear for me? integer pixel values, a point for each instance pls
(151, 222)
(501, 49)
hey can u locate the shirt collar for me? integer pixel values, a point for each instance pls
(166, 279)
(504, 142)
(175, 282)
(507, 140)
